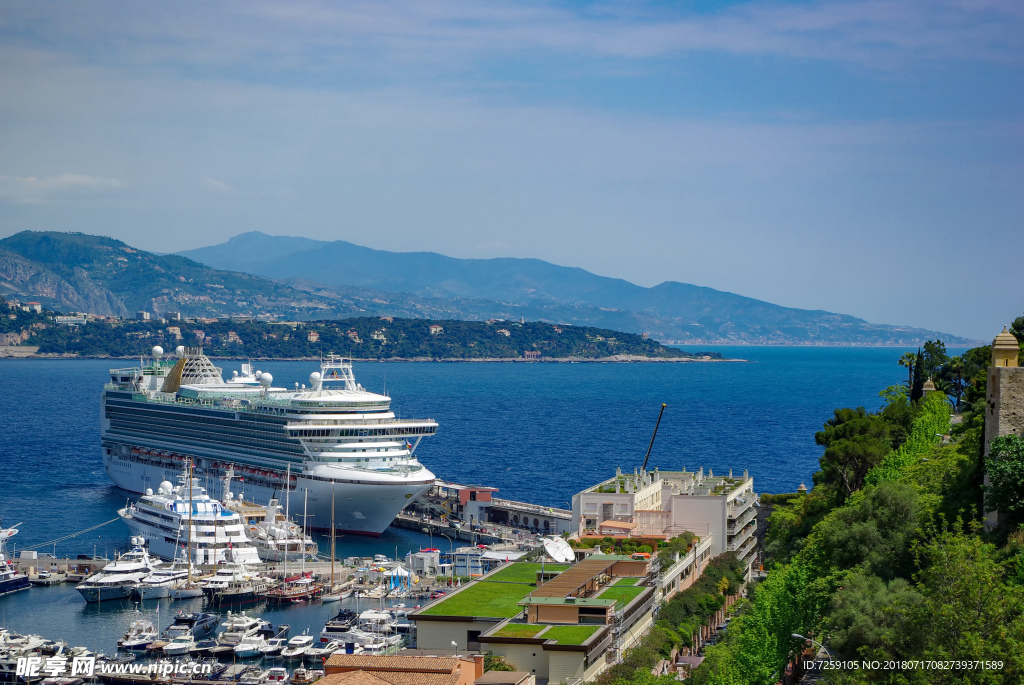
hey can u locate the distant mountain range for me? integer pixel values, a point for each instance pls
(539, 290)
(291, 278)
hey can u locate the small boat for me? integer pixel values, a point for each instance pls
(274, 647)
(249, 646)
(158, 584)
(203, 648)
(141, 633)
(196, 624)
(305, 676)
(297, 647)
(238, 626)
(278, 675)
(326, 650)
(180, 645)
(339, 624)
(254, 675)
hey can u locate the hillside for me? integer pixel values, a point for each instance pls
(359, 338)
(479, 288)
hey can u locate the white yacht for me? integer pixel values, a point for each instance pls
(297, 647)
(331, 438)
(185, 521)
(239, 625)
(119, 579)
(275, 537)
(10, 579)
(159, 583)
(141, 633)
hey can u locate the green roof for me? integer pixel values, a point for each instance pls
(613, 557)
(622, 594)
(495, 596)
(519, 630)
(570, 635)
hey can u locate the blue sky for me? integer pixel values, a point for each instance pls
(859, 157)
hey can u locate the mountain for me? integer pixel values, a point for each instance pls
(535, 289)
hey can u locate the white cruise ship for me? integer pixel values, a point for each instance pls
(333, 439)
(164, 520)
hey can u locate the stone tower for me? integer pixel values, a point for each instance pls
(1004, 410)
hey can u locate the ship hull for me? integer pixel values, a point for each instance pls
(361, 506)
(18, 582)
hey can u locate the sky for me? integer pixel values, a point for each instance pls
(859, 157)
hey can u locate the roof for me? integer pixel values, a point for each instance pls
(418, 664)
(390, 678)
(503, 678)
(625, 525)
(573, 578)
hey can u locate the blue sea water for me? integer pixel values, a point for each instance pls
(538, 432)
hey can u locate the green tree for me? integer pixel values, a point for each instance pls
(917, 387)
(1005, 467)
(935, 358)
(908, 360)
(869, 618)
(855, 442)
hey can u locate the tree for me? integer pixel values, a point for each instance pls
(1005, 467)
(855, 442)
(918, 379)
(955, 375)
(908, 360)
(935, 358)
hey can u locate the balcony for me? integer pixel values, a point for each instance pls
(742, 537)
(745, 518)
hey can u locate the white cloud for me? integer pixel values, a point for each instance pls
(33, 190)
(215, 186)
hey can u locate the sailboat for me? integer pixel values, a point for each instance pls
(300, 588)
(187, 589)
(333, 596)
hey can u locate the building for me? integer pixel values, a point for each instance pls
(175, 331)
(478, 506)
(503, 331)
(556, 622)
(35, 307)
(1004, 414)
(142, 316)
(436, 330)
(75, 320)
(312, 336)
(664, 504)
(531, 354)
(367, 669)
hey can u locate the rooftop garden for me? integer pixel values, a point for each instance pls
(522, 572)
(519, 630)
(625, 582)
(610, 545)
(622, 594)
(495, 597)
(570, 635)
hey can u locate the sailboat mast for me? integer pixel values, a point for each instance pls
(287, 516)
(305, 505)
(332, 538)
(189, 539)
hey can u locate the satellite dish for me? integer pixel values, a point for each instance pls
(266, 379)
(180, 350)
(561, 553)
(314, 379)
(158, 352)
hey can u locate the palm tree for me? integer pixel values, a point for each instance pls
(956, 367)
(908, 360)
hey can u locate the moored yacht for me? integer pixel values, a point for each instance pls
(10, 579)
(184, 521)
(119, 579)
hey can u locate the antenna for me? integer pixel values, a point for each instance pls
(648, 455)
(558, 549)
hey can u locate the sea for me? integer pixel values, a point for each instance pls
(538, 432)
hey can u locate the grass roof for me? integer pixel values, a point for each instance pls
(495, 597)
(626, 581)
(570, 635)
(622, 594)
(519, 630)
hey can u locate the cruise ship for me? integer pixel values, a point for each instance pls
(164, 520)
(331, 440)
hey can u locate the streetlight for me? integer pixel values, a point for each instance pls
(456, 646)
(798, 636)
